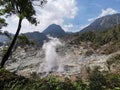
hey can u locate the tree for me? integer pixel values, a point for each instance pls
(2, 23)
(23, 41)
(23, 9)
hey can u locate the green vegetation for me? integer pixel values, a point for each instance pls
(23, 9)
(114, 59)
(102, 40)
(101, 81)
(23, 41)
(113, 81)
(10, 81)
(102, 37)
(2, 21)
(96, 81)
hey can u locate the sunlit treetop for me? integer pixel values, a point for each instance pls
(21, 8)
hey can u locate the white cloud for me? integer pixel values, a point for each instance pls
(108, 11)
(74, 28)
(78, 28)
(68, 27)
(55, 11)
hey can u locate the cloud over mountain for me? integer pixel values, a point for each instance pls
(104, 12)
(55, 11)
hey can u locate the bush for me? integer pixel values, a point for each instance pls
(23, 40)
(10, 81)
(96, 80)
(4, 50)
(113, 81)
(79, 85)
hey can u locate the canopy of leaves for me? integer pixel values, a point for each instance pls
(2, 23)
(22, 8)
(23, 41)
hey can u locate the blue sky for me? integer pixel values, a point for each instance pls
(71, 15)
(88, 9)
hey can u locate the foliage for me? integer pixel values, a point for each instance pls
(114, 59)
(79, 85)
(2, 23)
(13, 82)
(97, 80)
(8, 35)
(113, 81)
(23, 41)
(23, 9)
(101, 38)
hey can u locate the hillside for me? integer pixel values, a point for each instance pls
(103, 23)
(76, 61)
(5, 37)
(99, 40)
(81, 66)
(60, 45)
(36, 37)
(75, 65)
(11, 81)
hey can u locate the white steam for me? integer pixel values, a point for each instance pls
(51, 56)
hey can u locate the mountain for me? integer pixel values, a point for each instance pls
(54, 31)
(103, 23)
(37, 37)
(5, 37)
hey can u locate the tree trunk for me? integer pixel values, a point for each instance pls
(7, 54)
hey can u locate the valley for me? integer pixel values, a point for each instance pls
(82, 55)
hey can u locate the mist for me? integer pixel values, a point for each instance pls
(52, 58)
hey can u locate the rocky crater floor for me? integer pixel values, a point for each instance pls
(56, 59)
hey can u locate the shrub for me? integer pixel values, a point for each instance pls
(79, 85)
(113, 81)
(96, 80)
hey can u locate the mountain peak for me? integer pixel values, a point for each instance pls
(54, 30)
(54, 25)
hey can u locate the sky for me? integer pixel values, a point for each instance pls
(71, 15)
